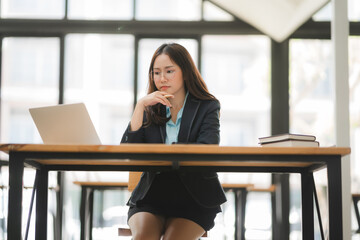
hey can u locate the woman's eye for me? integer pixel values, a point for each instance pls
(170, 71)
(156, 73)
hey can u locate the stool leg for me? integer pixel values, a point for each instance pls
(240, 205)
(85, 212)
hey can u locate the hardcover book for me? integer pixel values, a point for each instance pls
(291, 143)
(286, 136)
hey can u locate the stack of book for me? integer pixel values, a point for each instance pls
(289, 140)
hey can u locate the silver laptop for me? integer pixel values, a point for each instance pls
(65, 124)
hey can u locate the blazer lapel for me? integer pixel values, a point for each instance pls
(190, 110)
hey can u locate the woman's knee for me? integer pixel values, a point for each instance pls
(181, 228)
(146, 226)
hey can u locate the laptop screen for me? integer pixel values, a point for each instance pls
(65, 124)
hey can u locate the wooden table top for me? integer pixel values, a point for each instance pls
(176, 148)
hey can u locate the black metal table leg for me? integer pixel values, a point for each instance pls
(16, 170)
(82, 212)
(307, 186)
(335, 199)
(41, 204)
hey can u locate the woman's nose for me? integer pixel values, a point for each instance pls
(162, 77)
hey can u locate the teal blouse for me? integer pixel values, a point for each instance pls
(172, 129)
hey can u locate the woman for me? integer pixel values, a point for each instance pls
(178, 109)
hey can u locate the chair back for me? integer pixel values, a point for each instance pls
(134, 178)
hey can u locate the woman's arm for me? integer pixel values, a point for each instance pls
(134, 132)
(210, 127)
(137, 117)
(149, 100)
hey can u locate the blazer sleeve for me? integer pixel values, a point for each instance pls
(209, 132)
(134, 136)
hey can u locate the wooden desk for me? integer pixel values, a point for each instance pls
(156, 157)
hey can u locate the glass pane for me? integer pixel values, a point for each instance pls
(236, 69)
(311, 90)
(101, 9)
(110, 212)
(147, 48)
(53, 9)
(354, 93)
(354, 10)
(168, 10)
(326, 12)
(99, 72)
(213, 13)
(258, 204)
(30, 74)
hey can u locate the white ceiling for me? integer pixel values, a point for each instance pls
(275, 18)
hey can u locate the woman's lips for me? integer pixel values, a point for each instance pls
(164, 87)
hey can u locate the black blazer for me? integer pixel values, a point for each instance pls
(199, 125)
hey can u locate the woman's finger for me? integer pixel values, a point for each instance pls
(164, 101)
(165, 97)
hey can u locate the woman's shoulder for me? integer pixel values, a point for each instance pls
(213, 102)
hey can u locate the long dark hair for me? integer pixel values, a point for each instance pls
(193, 81)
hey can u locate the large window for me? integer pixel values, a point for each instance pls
(100, 9)
(35, 85)
(45, 9)
(354, 94)
(236, 69)
(99, 72)
(353, 11)
(168, 10)
(312, 90)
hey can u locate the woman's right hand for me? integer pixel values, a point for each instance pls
(155, 98)
(149, 100)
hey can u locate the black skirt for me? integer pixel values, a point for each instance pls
(169, 198)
